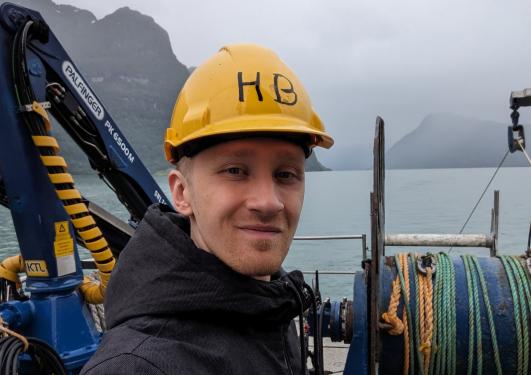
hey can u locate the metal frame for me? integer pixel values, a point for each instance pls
(380, 239)
(56, 308)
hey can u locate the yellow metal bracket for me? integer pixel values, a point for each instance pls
(40, 109)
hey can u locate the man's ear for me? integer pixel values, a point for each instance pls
(179, 192)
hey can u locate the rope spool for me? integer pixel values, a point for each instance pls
(469, 315)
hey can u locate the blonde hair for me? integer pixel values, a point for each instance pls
(184, 166)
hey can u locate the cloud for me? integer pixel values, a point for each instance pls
(402, 60)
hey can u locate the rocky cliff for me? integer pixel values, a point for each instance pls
(127, 59)
(446, 140)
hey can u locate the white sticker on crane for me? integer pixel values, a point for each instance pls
(83, 90)
(64, 249)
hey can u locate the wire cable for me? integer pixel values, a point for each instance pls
(317, 340)
(43, 359)
(482, 195)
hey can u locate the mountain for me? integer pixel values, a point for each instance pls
(127, 59)
(313, 164)
(446, 140)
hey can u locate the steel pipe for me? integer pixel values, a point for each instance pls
(439, 240)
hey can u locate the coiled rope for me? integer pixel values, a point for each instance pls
(424, 318)
(430, 334)
(443, 357)
(519, 283)
(96, 309)
(6, 332)
(474, 275)
(43, 358)
(401, 286)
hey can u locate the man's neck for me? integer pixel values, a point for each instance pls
(262, 278)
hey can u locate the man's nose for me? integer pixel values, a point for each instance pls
(264, 197)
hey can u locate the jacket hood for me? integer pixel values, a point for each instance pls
(161, 272)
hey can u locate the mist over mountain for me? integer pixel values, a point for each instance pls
(446, 140)
(313, 164)
(127, 59)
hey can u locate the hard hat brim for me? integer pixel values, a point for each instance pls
(259, 124)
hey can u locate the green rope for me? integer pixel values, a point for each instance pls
(517, 319)
(523, 309)
(444, 332)
(444, 340)
(477, 316)
(452, 317)
(524, 275)
(438, 346)
(486, 301)
(438, 333)
(471, 314)
(518, 279)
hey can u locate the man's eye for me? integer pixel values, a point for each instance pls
(286, 175)
(234, 171)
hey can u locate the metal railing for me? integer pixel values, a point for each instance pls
(89, 263)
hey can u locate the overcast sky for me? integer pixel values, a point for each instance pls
(358, 59)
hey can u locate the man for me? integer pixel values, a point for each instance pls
(202, 291)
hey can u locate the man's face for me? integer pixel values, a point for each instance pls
(244, 199)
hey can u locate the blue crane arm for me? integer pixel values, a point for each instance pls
(49, 214)
(56, 79)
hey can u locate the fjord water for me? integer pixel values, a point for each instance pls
(337, 203)
(416, 201)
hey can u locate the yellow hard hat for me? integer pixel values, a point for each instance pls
(244, 88)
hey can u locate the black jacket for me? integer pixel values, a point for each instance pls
(172, 308)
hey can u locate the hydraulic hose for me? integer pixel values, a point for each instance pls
(82, 220)
(9, 281)
(11, 267)
(43, 358)
(38, 124)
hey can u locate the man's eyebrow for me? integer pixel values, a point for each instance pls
(247, 152)
(289, 156)
(243, 153)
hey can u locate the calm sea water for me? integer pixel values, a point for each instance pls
(337, 203)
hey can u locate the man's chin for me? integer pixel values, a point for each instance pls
(256, 259)
(263, 245)
(260, 271)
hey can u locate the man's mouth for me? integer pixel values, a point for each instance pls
(261, 231)
(261, 228)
